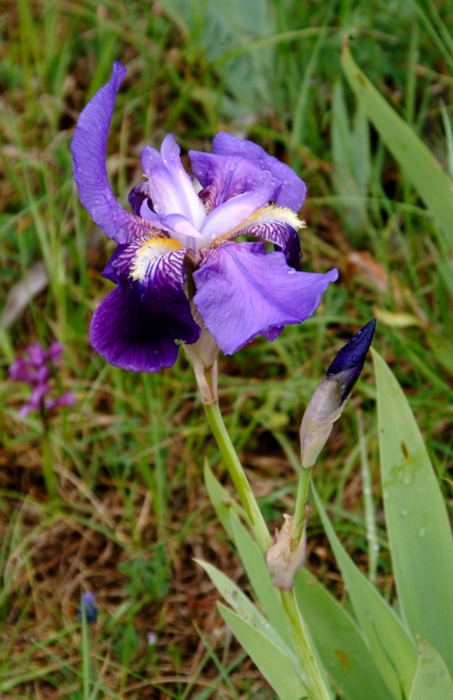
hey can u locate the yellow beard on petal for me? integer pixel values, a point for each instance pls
(269, 214)
(151, 249)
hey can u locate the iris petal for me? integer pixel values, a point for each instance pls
(230, 214)
(137, 325)
(224, 177)
(172, 188)
(289, 189)
(242, 292)
(275, 224)
(88, 149)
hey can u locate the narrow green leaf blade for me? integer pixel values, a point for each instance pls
(258, 574)
(271, 661)
(243, 606)
(432, 679)
(341, 646)
(390, 645)
(419, 532)
(417, 162)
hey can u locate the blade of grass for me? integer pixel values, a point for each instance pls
(417, 162)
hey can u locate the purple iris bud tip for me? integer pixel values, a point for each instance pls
(351, 358)
(327, 403)
(88, 606)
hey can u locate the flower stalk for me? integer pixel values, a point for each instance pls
(238, 476)
(296, 627)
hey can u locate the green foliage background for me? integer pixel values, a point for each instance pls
(133, 510)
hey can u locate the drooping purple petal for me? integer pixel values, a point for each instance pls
(137, 325)
(279, 226)
(242, 292)
(289, 189)
(88, 149)
(224, 177)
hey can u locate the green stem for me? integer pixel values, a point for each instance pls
(301, 500)
(47, 464)
(238, 476)
(315, 681)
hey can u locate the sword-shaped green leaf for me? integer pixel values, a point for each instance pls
(418, 529)
(271, 661)
(432, 679)
(390, 645)
(341, 646)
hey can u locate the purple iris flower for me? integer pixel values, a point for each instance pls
(35, 369)
(178, 244)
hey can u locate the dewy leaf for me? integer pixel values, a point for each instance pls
(390, 645)
(341, 646)
(258, 574)
(271, 661)
(432, 679)
(418, 529)
(417, 162)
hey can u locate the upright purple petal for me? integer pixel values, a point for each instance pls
(171, 187)
(138, 324)
(88, 149)
(242, 292)
(289, 189)
(225, 177)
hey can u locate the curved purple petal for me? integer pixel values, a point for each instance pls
(242, 292)
(88, 149)
(138, 324)
(229, 215)
(224, 177)
(289, 189)
(109, 272)
(138, 195)
(279, 226)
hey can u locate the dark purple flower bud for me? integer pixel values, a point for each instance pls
(351, 358)
(88, 606)
(327, 403)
